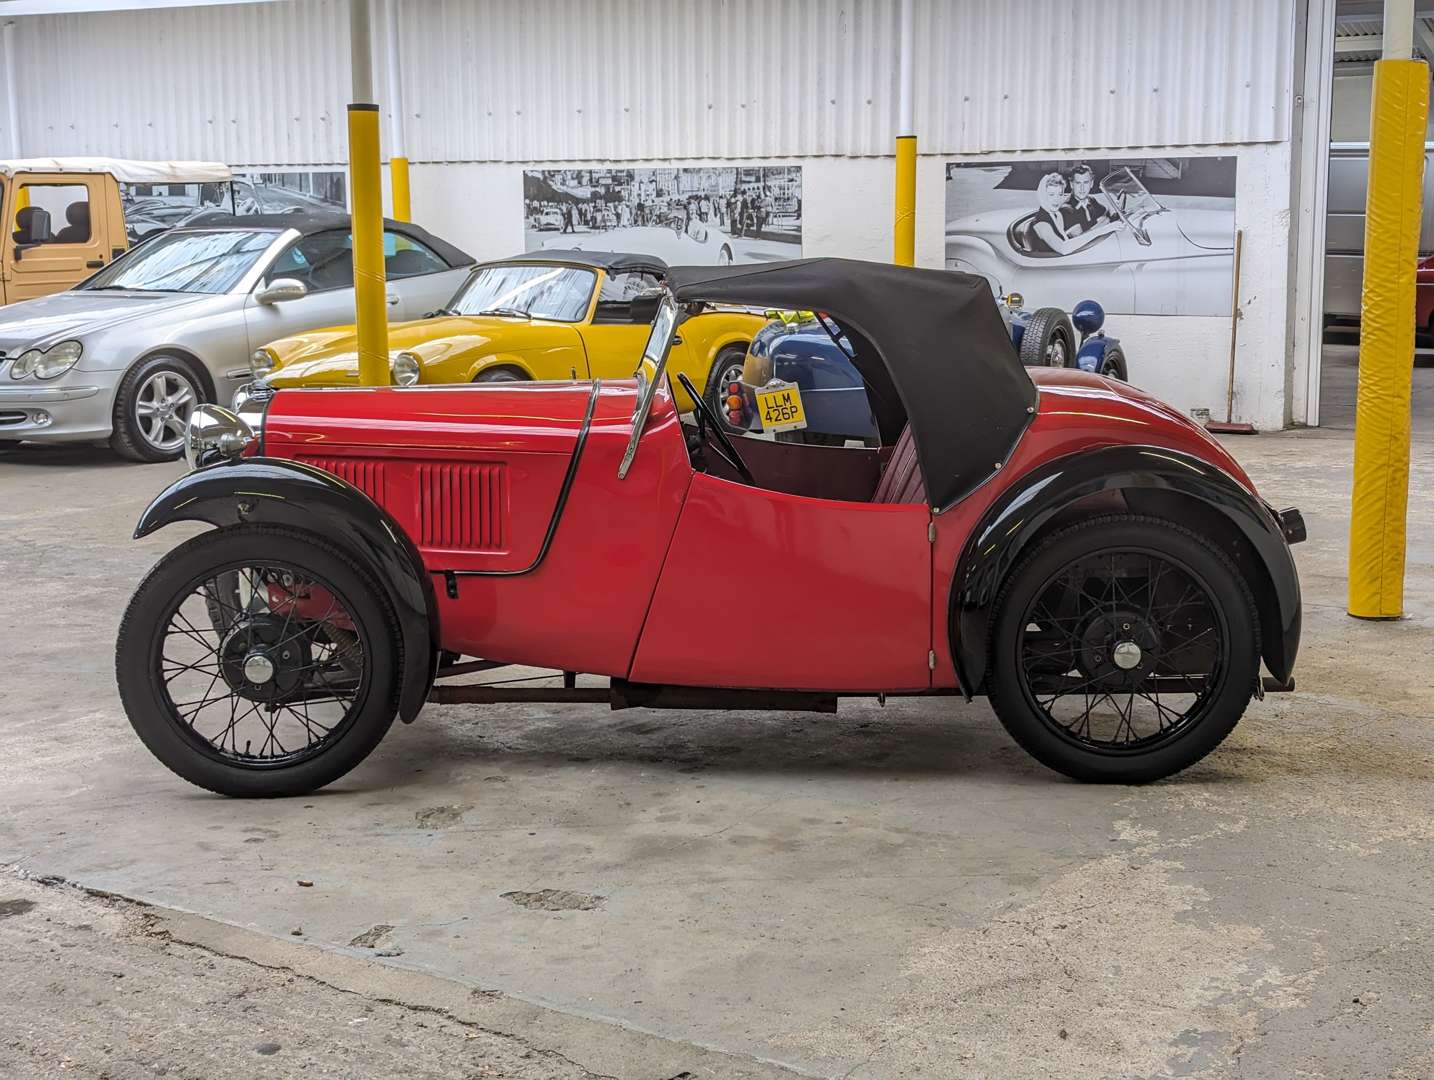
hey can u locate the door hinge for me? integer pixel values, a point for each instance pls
(450, 579)
(931, 532)
(931, 660)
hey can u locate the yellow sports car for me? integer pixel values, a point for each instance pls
(548, 315)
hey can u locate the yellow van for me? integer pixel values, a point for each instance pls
(67, 217)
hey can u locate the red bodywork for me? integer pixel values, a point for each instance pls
(1424, 295)
(672, 575)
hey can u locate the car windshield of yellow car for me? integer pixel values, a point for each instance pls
(559, 293)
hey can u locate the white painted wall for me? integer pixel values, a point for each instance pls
(847, 211)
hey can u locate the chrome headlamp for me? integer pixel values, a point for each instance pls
(262, 362)
(405, 369)
(48, 363)
(215, 434)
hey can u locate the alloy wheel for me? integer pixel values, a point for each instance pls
(162, 407)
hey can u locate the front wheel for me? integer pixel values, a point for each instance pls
(152, 409)
(1124, 649)
(1112, 364)
(255, 661)
(726, 370)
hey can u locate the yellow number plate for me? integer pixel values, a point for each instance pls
(779, 407)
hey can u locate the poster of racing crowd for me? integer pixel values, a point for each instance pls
(1147, 236)
(150, 208)
(703, 215)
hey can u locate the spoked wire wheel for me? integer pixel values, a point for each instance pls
(255, 661)
(1122, 650)
(277, 675)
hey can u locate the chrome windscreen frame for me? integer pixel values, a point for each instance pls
(655, 352)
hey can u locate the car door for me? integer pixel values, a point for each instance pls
(418, 279)
(323, 262)
(764, 589)
(614, 338)
(70, 242)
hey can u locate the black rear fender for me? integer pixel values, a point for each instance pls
(273, 491)
(1144, 480)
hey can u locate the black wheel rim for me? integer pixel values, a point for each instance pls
(1123, 651)
(261, 665)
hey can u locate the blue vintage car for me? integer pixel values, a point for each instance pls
(796, 347)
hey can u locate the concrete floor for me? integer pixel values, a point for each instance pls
(893, 892)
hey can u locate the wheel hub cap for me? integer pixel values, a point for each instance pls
(1126, 655)
(259, 669)
(264, 658)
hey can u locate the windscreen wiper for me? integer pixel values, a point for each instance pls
(516, 313)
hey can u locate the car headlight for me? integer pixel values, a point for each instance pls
(47, 363)
(58, 359)
(214, 433)
(262, 362)
(25, 363)
(405, 368)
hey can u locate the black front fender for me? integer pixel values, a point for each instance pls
(1154, 480)
(273, 491)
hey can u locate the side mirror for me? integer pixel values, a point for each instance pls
(281, 289)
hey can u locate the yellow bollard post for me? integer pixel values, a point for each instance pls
(398, 183)
(904, 228)
(370, 311)
(1380, 498)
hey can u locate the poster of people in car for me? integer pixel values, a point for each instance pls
(150, 208)
(701, 216)
(1146, 236)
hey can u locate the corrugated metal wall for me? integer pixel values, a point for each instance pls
(551, 80)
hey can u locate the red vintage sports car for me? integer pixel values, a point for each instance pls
(1088, 558)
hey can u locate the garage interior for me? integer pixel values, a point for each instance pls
(896, 891)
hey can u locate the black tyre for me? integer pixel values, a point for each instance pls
(1113, 364)
(152, 409)
(290, 689)
(1048, 340)
(500, 374)
(726, 369)
(1124, 649)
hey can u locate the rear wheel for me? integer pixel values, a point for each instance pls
(1124, 649)
(255, 661)
(1048, 340)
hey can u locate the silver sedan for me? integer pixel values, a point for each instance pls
(126, 355)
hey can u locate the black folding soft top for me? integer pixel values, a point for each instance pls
(931, 345)
(309, 222)
(614, 262)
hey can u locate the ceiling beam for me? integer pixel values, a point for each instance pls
(1358, 43)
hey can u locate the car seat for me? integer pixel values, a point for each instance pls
(406, 263)
(901, 480)
(77, 224)
(32, 226)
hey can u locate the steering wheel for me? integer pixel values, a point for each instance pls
(707, 420)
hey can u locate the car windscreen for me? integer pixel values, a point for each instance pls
(559, 293)
(211, 261)
(651, 367)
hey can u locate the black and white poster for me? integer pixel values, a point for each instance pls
(150, 208)
(1142, 236)
(693, 216)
